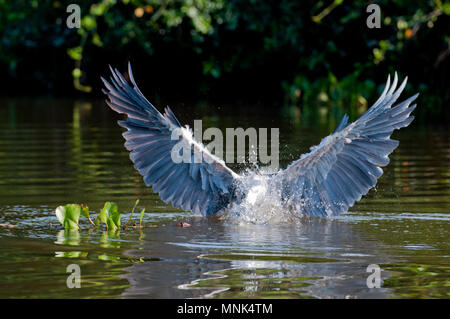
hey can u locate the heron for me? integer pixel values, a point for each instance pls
(325, 182)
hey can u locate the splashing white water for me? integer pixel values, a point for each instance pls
(262, 203)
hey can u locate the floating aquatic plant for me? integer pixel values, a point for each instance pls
(69, 214)
(110, 216)
(85, 213)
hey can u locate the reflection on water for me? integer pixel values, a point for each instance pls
(54, 152)
(320, 259)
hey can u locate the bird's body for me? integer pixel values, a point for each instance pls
(324, 182)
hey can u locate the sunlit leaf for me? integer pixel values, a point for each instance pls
(109, 215)
(68, 215)
(75, 53)
(85, 211)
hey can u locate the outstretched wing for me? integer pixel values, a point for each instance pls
(200, 186)
(346, 164)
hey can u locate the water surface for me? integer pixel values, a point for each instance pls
(54, 152)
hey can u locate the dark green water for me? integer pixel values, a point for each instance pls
(54, 152)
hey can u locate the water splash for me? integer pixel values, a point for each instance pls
(262, 203)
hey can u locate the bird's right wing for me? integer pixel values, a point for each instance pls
(202, 185)
(346, 164)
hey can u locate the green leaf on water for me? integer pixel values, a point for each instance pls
(110, 216)
(68, 215)
(114, 220)
(84, 210)
(85, 213)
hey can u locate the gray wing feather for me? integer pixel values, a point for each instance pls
(205, 188)
(347, 163)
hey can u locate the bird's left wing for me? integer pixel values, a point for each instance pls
(346, 164)
(203, 185)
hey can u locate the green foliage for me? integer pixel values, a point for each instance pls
(110, 216)
(303, 44)
(84, 211)
(69, 214)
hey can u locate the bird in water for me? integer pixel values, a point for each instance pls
(325, 182)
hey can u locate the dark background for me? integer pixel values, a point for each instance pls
(234, 52)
